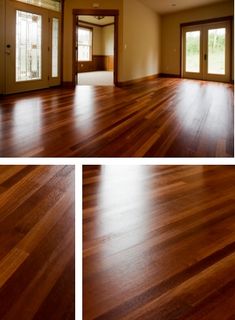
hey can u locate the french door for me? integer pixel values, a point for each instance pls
(207, 51)
(32, 47)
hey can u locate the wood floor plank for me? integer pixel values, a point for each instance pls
(158, 118)
(37, 254)
(11, 263)
(159, 242)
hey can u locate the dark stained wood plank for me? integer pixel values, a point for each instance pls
(37, 255)
(157, 118)
(159, 242)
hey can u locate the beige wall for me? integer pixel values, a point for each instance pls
(68, 30)
(97, 41)
(171, 31)
(2, 55)
(103, 39)
(108, 40)
(141, 39)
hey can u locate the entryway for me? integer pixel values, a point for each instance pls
(32, 47)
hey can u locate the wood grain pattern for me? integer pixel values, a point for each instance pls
(98, 63)
(37, 257)
(159, 242)
(157, 118)
(109, 63)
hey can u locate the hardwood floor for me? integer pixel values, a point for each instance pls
(159, 118)
(159, 242)
(37, 243)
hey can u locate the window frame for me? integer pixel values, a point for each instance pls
(90, 46)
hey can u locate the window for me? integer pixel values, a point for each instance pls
(55, 47)
(54, 5)
(84, 44)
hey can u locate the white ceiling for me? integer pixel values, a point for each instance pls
(92, 19)
(165, 6)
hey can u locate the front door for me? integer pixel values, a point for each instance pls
(31, 48)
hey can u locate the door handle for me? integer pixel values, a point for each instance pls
(8, 51)
(205, 56)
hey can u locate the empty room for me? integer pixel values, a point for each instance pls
(165, 84)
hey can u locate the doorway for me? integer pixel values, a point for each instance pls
(207, 51)
(95, 50)
(95, 63)
(32, 47)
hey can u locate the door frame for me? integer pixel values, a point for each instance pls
(2, 47)
(207, 21)
(95, 12)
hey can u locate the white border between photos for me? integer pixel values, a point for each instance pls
(78, 163)
(117, 161)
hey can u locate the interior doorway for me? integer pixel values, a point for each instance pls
(207, 51)
(95, 51)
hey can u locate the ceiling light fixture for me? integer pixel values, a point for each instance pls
(99, 17)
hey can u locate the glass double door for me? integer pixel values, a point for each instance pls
(207, 51)
(32, 45)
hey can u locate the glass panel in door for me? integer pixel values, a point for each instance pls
(193, 51)
(28, 46)
(216, 51)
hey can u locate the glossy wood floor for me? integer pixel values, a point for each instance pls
(159, 242)
(159, 118)
(37, 243)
